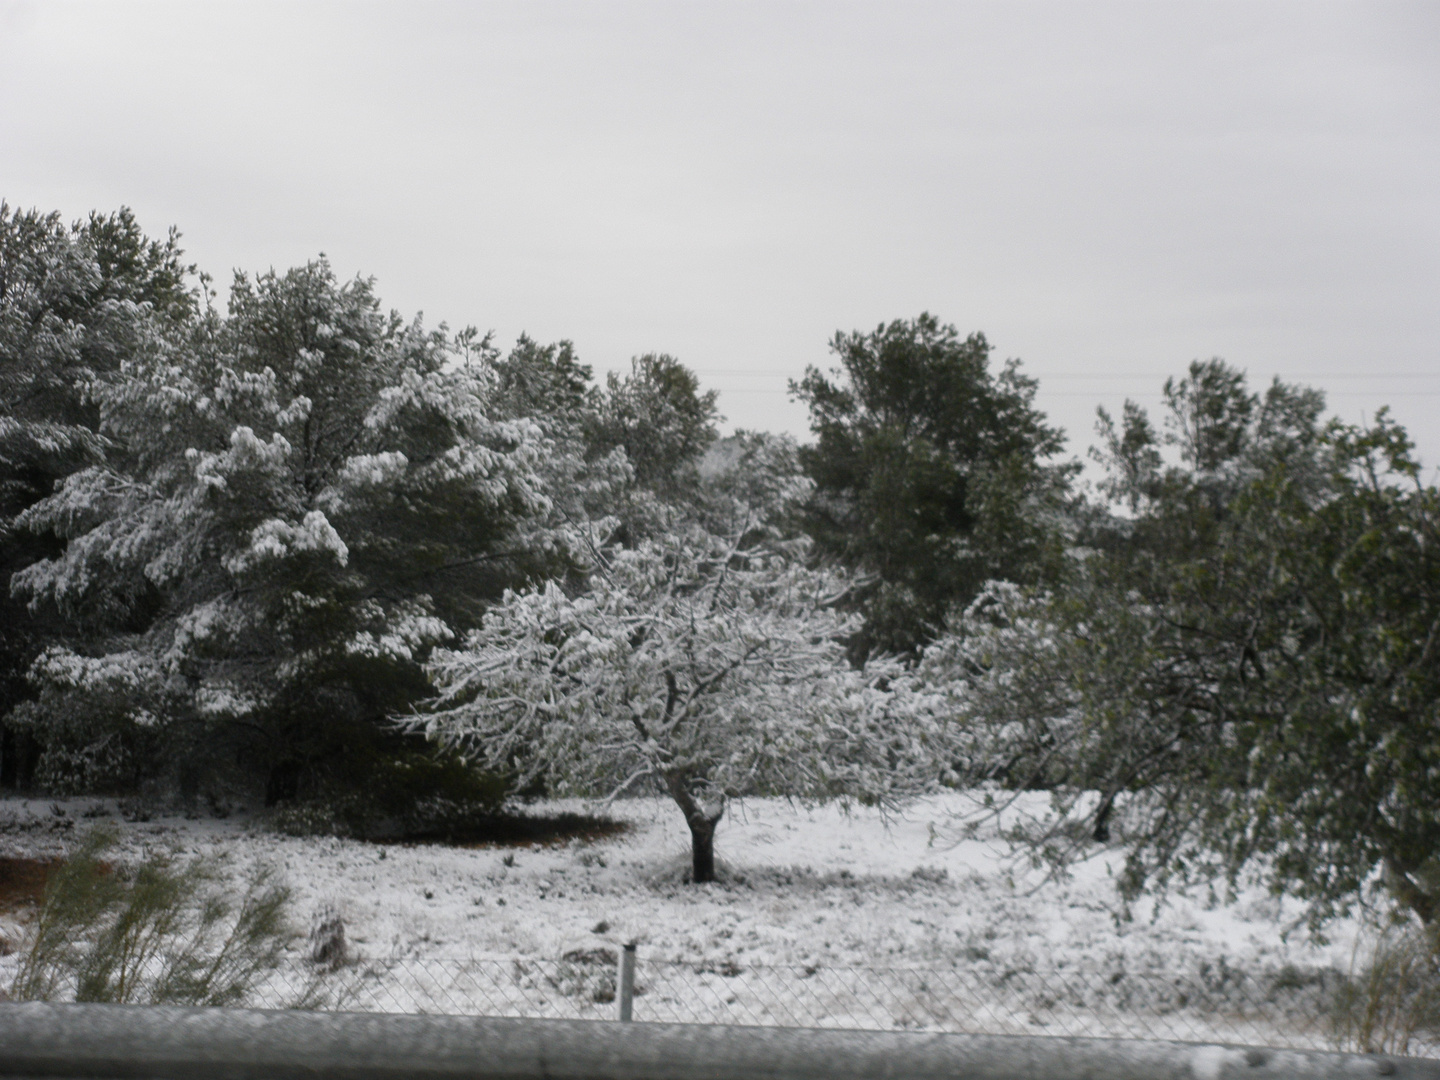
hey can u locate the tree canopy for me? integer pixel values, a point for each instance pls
(661, 419)
(1244, 677)
(75, 300)
(710, 669)
(932, 474)
(303, 499)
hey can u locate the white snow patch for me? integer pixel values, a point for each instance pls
(799, 886)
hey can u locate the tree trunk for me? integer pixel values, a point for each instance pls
(702, 850)
(1402, 886)
(8, 754)
(1101, 832)
(19, 756)
(702, 821)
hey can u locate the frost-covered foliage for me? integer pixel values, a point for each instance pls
(74, 301)
(712, 670)
(754, 476)
(306, 497)
(1243, 673)
(1000, 672)
(99, 718)
(1069, 693)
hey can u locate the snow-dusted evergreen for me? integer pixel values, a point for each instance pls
(306, 497)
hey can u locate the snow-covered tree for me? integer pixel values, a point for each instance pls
(710, 670)
(660, 417)
(74, 300)
(306, 498)
(750, 477)
(1242, 675)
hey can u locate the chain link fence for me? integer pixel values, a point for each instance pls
(1290, 1008)
(1287, 1008)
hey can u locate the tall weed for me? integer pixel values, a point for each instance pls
(164, 931)
(1391, 1002)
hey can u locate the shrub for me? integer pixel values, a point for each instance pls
(1391, 1002)
(159, 932)
(385, 793)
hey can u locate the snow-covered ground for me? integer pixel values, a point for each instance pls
(816, 889)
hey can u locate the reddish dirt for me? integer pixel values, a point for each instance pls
(22, 881)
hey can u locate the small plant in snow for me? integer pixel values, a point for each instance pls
(159, 932)
(1391, 1002)
(327, 939)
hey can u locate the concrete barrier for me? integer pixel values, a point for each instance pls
(171, 1043)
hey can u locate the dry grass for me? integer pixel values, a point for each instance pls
(164, 930)
(1391, 1002)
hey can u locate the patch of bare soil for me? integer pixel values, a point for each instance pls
(521, 830)
(22, 882)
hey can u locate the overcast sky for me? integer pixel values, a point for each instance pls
(1107, 190)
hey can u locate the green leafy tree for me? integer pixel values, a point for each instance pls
(931, 474)
(658, 415)
(1244, 676)
(546, 383)
(1349, 731)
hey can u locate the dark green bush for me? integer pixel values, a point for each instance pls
(378, 793)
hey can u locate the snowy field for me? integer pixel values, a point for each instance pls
(807, 896)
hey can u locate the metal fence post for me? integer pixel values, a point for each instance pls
(627, 981)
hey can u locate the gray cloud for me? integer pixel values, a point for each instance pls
(1108, 190)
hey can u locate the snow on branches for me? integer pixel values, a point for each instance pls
(713, 670)
(301, 501)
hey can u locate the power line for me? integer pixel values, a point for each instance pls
(1100, 377)
(1142, 393)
